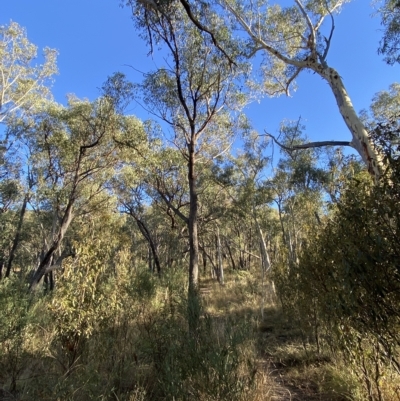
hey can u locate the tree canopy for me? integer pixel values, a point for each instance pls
(197, 253)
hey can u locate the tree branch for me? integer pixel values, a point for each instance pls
(318, 144)
(312, 43)
(202, 28)
(291, 79)
(328, 41)
(262, 44)
(170, 205)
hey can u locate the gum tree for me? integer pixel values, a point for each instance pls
(76, 151)
(22, 84)
(290, 40)
(390, 43)
(194, 95)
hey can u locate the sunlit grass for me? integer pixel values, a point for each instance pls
(289, 362)
(245, 349)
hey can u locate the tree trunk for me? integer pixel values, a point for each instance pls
(266, 261)
(49, 281)
(193, 294)
(241, 260)
(249, 249)
(193, 237)
(146, 234)
(17, 237)
(204, 260)
(1, 266)
(48, 257)
(230, 255)
(220, 265)
(361, 141)
(150, 260)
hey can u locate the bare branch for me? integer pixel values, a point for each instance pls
(319, 23)
(168, 202)
(262, 44)
(235, 246)
(311, 43)
(202, 28)
(318, 144)
(291, 79)
(328, 41)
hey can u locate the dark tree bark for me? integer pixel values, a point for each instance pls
(230, 255)
(146, 234)
(204, 257)
(193, 223)
(46, 261)
(17, 236)
(1, 267)
(219, 256)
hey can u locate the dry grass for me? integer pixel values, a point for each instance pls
(289, 365)
(142, 353)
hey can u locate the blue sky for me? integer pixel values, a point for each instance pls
(96, 38)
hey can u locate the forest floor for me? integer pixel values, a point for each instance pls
(293, 369)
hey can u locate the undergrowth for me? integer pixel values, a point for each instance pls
(126, 338)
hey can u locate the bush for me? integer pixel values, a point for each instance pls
(14, 320)
(345, 291)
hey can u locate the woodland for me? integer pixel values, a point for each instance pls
(189, 256)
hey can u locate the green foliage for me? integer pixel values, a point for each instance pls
(80, 300)
(23, 85)
(390, 43)
(212, 367)
(113, 330)
(117, 331)
(14, 319)
(345, 290)
(143, 286)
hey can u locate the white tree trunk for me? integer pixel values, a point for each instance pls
(220, 265)
(361, 141)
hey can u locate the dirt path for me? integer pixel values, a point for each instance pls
(294, 372)
(284, 390)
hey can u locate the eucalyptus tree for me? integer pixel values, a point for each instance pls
(195, 96)
(385, 106)
(383, 122)
(349, 272)
(23, 88)
(22, 85)
(289, 40)
(156, 184)
(390, 43)
(132, 201)
(10, 200)
(297, 186)
(152, 184)
(77, 150)
(249, 194)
